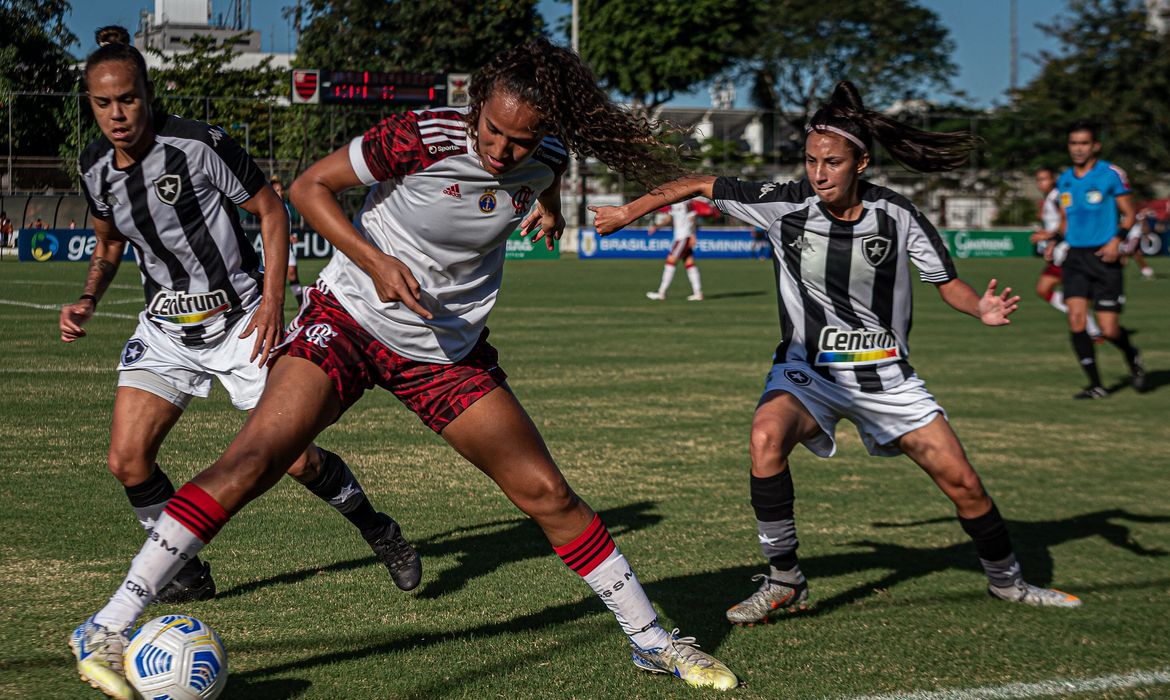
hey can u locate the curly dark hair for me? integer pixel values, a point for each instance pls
(564, 93)
(925, 151)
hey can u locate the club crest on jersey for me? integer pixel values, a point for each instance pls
(320, 334)
(876, 249)
(522, 199)
(133, 352)
(798, 377)
(1094, 197)
(487, 202)
(168, 188)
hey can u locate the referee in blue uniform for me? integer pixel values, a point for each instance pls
(1098, 212)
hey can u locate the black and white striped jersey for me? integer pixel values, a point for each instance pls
(843, 286)
(177, 206)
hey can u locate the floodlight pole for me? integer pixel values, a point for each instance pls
(574, 165)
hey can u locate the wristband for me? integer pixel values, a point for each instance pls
(90, 297)
(1122, 233)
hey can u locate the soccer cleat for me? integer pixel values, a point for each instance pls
(1026, 593)
(99, 659)
(1148, 273)
(1093, 392)
(656, 296)
(193, 582)
(404, 564)
(695, 297)
(682, 658)
(1137, 375)
(772, 595)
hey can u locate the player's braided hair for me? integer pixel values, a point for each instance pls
(925, 151)
(564, 93)
(114, 45)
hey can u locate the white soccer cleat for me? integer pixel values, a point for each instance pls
(99, 659)
(656, 296)
(1026, 593)
(695, 297)
(773, 594)
(681, 658)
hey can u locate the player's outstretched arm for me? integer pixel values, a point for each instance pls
(103, 265)
(610, 219)
(268, 321)
(993, 308)
(314, 194)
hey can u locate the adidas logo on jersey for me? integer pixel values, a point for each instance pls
(453, 191)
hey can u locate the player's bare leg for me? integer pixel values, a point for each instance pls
(780, 423)
(937, 450)
(497, 436)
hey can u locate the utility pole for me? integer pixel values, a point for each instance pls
(1015, 70)
(575, 183)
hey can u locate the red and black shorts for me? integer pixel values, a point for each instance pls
(681, 249)
(1051, 270)
(326, 335)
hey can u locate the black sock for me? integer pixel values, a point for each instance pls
(994, 545)
(1082, 344)
(150, 497)
(772, 500)
(1122, 343)
(337, 486)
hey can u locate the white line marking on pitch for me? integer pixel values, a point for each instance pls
(1011, 691)
(55, 307)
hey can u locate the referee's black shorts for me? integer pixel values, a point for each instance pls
(1084, 274)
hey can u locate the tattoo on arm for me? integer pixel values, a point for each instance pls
(101, 273)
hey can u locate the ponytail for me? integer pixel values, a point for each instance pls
(114, 45)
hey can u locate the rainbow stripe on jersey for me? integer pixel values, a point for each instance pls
(850, 347)
(183, 309)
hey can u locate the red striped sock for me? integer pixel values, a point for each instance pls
(588, 549)
(197, 511)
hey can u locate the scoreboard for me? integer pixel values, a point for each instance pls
(376, 87)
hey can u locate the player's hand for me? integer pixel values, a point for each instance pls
(1041, 235)
(73, 317)
(609, 219)
(268, 325)
(394, 281)
(1109, 252)
(545, 224)
(994, 308)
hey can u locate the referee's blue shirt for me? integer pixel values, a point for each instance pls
(1090, 204)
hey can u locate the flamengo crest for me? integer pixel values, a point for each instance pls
(168, 188)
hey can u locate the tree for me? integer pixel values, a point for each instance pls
(33, 59)
(891, 50)
(1110, 68)
(650, 52)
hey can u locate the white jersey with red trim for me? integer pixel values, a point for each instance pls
(434, 207)
(683, 220)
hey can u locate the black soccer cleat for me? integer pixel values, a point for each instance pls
(1093, 392)
(1137, 375)
(193, 582)
(392, 549)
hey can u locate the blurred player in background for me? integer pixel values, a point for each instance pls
(293, 277)
(1098, 213)
(163, 184)
(1131, 247)
(404, 304)
(681, 217)
(843, 248)
(1047, 239)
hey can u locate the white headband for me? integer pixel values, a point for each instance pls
(840, 132)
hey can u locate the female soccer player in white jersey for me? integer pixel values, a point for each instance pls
(404, 303)
(168, 187)
(681, 218)
(842, 248)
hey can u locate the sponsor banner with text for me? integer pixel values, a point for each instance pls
(634, 243)
(57, 244)
(963, 243)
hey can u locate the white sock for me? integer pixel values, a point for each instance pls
(667, 278)
(1057, 301)
(1092, 327)
(614, 582)
(693, 276)
(167, 548)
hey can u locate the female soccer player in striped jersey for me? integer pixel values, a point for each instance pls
(168, 187)
(842, 248)
(404, 304)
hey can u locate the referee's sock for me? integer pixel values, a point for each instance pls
(1082, 344)
(1123, 344)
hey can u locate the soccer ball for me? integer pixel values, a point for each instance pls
(176, 657)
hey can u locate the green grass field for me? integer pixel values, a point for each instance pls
(646, 407)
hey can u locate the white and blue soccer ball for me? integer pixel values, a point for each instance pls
(176, 657)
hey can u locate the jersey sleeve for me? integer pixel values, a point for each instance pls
(928, 250)
(230, 168)
(97, 204)
(1118, 181)
(389, 150)
(757, 203)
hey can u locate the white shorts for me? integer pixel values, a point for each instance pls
(881, 418)
(189, 370)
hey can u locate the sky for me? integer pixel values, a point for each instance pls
(980, 31)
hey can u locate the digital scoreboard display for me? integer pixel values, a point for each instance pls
(365, 87)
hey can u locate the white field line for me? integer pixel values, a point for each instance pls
(1049, 688)
(57, 308)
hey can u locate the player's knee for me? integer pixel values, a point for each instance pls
(764, 442)
(547, 497)
(129, 467)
